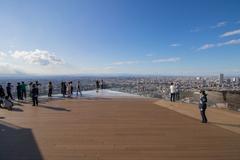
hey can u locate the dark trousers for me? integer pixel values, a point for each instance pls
(203, 114)
(172, 97)
(9, 94)
(50, 93)
(35, 100)
(19, 95)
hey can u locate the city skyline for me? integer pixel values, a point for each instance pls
(119, 37)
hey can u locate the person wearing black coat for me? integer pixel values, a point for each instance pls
(35, 95)
(50, 89)
(97, 85)
(19, 91)
(63, 88)
(2, 95)
(203, 106)
(9, 91)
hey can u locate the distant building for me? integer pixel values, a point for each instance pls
(228, 81)
(221, 78)
(235, 79)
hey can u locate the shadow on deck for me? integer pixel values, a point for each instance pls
(17, 143)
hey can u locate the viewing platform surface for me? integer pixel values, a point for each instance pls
(111, 125)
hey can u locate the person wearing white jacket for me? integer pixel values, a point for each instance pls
(69, 89)
(79, 88)
(172, 92)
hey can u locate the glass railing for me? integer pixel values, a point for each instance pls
(217, 98)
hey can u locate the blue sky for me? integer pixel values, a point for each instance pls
(120, 36)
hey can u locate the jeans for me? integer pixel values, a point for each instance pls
(9, 94)
(172, 97)
(49, 92)
(203, 114)
(35, 100)
(19, 95)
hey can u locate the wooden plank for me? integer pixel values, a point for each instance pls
(113, 129)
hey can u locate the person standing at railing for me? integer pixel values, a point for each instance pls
(24, 90)
(172, 92)
(37, 84)
(30, 89)
(19, 91)
(35, 93)
(2, 95)
(203, 106)
(71, 85)
(102, 84)
(9, 91)
(177, 92)
(69, 89)
(50, 89)
(97, 85)
(79, 88)
(63, 88)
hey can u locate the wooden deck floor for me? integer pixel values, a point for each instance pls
(110, 129)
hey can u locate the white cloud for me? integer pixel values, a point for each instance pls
(2, 55)
(231, 42)
(37, 56)
(163, 60)
(230, 33)
(125, 62)
(220, 24)
(175, 45)
(6, 68)
(206, 46)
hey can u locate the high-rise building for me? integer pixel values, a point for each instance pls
(221, 76)
(228, 81)
(234, 79)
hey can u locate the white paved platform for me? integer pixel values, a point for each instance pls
(105, 93)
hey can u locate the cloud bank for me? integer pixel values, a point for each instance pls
(220, 24)
(37, 56)
(2, 55)
(163, 60)
(6, 68)
(206, 46)
(230, 33)
(125, 62)
(231, 42)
